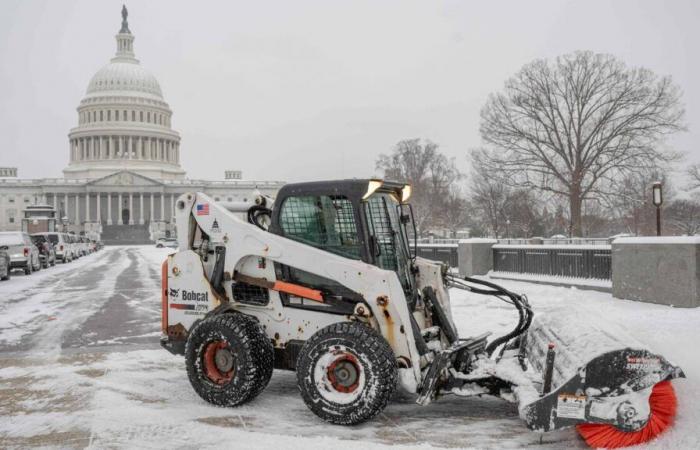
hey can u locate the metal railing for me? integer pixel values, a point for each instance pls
(581, 258)
(555, 241)
(574, 261)
(446, 253)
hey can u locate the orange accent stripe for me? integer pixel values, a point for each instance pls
(164, 295)
(299, 291)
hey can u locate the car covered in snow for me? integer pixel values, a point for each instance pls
(23, 253)
(47, 254)
(166, 242)
(61, 244)
(4, 264)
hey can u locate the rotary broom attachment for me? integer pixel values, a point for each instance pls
(598, 378)
(568, 369)
(662, 405)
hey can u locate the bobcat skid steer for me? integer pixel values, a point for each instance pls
(323, 282)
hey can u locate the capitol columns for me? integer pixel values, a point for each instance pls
(162, 206)
(131, 208)
(151, 217)
(65, 206)
(99, 211)
(120, 218)
(77, 209)
(87, 207)
(141, 221)
(109, 208)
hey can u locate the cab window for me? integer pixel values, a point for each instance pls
(324, 221)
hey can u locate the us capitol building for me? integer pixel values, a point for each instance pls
(124, 172)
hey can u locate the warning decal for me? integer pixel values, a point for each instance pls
(570, 406)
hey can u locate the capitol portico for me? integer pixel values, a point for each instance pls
(124, 172)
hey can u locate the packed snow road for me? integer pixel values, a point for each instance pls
(80, 366)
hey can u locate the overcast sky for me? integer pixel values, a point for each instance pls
(296, 90)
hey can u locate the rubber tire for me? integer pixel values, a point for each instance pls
(253, 358)
(380, 369)
(7, 275)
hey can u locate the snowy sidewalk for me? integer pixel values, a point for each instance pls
(95, 376)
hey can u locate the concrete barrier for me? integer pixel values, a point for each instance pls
(663, 270)
(475, 256)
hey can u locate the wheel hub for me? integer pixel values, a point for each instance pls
(344, 373)
(223, 359)
(218, 362)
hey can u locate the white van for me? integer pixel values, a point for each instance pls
(61, 244)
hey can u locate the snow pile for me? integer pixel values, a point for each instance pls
(671, 332)
(658, 240)
(593, 283)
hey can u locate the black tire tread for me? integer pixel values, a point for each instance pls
(384, 369)
(254, 344)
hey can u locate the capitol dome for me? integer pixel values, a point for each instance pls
(124, 76)
(124, 122)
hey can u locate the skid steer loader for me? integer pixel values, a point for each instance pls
(322, 281)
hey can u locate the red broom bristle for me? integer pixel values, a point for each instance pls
(662, 405)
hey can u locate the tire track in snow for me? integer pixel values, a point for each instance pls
(131, 313)
(25, 312)
(74, 310)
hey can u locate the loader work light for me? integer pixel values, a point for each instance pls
(371, 187)
(406, 193)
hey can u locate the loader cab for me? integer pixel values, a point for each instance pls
(367, 220)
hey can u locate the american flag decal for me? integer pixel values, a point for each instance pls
(203, 209)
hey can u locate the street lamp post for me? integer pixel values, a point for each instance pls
(657, 200)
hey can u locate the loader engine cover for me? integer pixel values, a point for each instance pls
(189, 294)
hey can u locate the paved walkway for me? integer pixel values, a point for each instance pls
(80, 366)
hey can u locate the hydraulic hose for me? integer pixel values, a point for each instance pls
(520, 302)
(255, 212)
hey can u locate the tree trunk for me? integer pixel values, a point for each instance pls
(575, 229)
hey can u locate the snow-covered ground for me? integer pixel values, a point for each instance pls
(80, 367)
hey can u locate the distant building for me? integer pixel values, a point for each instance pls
(124, 171)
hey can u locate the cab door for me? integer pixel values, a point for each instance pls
(329, 223)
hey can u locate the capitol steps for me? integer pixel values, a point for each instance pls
(126, 235)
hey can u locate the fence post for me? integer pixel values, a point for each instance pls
(475, 256)
(662, 270)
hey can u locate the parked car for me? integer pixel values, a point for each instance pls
(23, 253)
(61, 245)
(47, 254)
(73, 245)
(166, 242)
(5, 268)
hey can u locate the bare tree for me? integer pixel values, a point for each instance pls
(456, 211)
(524, 213)
(694, 175)
(431, 173)
(684, 216)
(566, 125)
(489, 194)
(628, 199)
